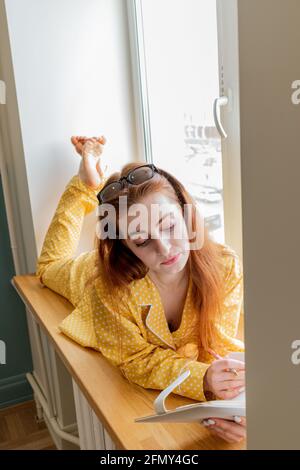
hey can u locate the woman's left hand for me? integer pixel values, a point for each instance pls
(90, 149)
(230, 431)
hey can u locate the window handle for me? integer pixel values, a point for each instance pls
(221, 101)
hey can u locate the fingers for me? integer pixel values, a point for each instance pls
(224, 383)
(228, 430)
(92, 146)
(217, 430)
(75, 139)
(228, 385)
(77, 144)
(82, 139)
(229, 394)
(241, 420)
(228, 437)
(225, 364)
(86, 145)
(231, 377)
(101, 140)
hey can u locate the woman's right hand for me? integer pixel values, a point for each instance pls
(222, 382)
(90, 149)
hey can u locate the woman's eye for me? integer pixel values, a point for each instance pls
(169, 228)
(143, 244)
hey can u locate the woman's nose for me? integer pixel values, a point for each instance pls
(163, 246)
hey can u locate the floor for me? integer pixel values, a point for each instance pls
(19, 429)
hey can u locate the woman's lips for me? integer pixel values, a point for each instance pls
(172, 260)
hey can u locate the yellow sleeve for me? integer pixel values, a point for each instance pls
(125, 345)
(232, 307)
(56, 268)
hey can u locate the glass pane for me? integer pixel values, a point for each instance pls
(181, 54)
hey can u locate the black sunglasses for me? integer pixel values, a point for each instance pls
(137, 176)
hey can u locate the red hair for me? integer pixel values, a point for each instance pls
(121, 266)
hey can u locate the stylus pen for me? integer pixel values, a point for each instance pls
(217, 356)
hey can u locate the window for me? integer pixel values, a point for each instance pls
(178, 75)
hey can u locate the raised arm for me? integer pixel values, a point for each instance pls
(56, 267)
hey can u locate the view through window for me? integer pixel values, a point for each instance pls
(182, 75)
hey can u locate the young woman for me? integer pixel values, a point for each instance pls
(148, 299)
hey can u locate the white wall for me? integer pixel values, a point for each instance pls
(72, 76)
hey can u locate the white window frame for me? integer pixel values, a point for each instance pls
(227, 21)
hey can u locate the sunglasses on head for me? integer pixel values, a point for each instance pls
(135, 177)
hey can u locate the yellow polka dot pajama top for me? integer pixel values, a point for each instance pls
(148, 354)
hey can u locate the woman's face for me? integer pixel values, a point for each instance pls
(159, 234)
